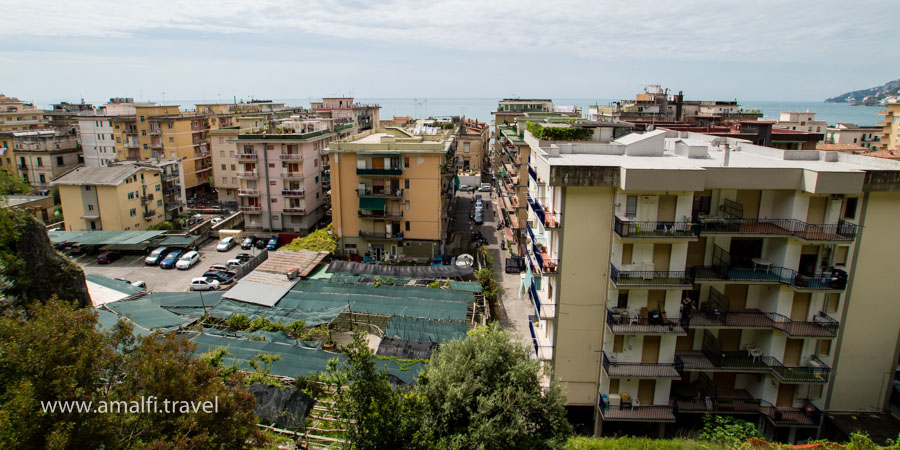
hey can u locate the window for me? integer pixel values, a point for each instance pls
(143, 132)
(840, 257)
(118, 138)
(271, 164)
(248, 149)
(406, 162)
(133, 212)
(87, 188)
(466, 147)
(223, 166)
(232, 167)
(159, 202)
(158, 187)
(59, 161)
(850, 208)
(622, 302)
(631, 206)
(169, 125)
(43, 180)
(271, 183)
(142, 118)
(317, 195)
(171, 140)
(317, 179)
(407, 225)
(90, 207)
(131, 196)
(40, 163)
(274, 200)
(406, 183)
(824, 348)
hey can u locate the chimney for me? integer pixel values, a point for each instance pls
(727, 155)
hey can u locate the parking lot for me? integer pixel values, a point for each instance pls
(131, 267)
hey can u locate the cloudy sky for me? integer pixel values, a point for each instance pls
(203, 49)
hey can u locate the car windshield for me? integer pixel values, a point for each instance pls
(187, 257)
(156, 252)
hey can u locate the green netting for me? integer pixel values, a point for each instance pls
(194, 299)
(148, 315)
(468, 286)
(270, 336)
(425, 330)
(117, 285)
(374, 304)
(107, 321)
(294, 361)
(278, 313)
(417, 292)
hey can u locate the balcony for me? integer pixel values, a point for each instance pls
(742, 362)
(379, 215)
(656, 230)
(247, 156)
(291, 157)
(149, 214)
(250, 209)
(248, 193)
(174, 205)
(652, 278)
(841, 232)
(293, 192)
(618, 369)
(541, 351)
(621, 322)
(393, 193)
(294, 210)
(549, 219)
(132, 144)
(155, 131)
(169, 176)
(634, 413)
(146, 198)
(250, 174)
(292, 175)
(715, 313)
(394, 172)
(762, 272)
(381, 235)
(807, 416)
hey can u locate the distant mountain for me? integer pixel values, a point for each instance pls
(868, 97)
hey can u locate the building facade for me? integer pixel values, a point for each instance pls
(40, 206)
(676, 273)
(97, 140)
(42, 155)
(123, 196)
(390, 192)
(848, 133)
(890, 134)
(474, 142)
(17, 115)
(801, 121)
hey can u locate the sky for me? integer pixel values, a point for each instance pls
(216, 50)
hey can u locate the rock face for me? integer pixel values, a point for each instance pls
(31, 268)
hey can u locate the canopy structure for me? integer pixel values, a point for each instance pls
(105, 290)
(121, 240)
(147, 315)
(403, 349)
(375, 204)
(399, 271)
(180, 241)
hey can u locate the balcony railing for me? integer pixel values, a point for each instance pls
(393, 193)
(382, 235)
(387, 172)
(149, 213)
(823, 325)
(169, 176)
(742, 362)
(808, 415)
(292, 157)
(618, 369)
(250, 209)
(772, 274)
(293, 192)
(292, 174)
(375, 214)
(247, 156)
(294, 210)
(632, 413)
(627, 278)
(174, 205)
(622, 323)
(248, 193)
(841, 231)
(657, 230)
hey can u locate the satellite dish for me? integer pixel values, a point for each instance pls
(465, 260)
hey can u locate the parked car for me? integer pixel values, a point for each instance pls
(485, 188)
(188, 260)
(156, 256)
(221, 277)
(479, 218)
(248, 243)
(169, 261)
(243, 257)
(219, 267)
(139, 283)
(226, 244)
(233, 263)
(204, 284)
(108, 257)
(260, 243)
(273, 243)
(217, 220)
(464, 187)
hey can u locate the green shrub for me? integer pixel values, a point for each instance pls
(296, 328)
(262, 324)
(559, 133)
(727, 430)
(238, 322)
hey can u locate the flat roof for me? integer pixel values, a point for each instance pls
(103, 237)
(16, 200)
(106, 176)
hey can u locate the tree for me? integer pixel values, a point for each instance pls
(58, 354)
(321, 240)
(484, 392)
(10, 183)
(727, 431)
(374, 414)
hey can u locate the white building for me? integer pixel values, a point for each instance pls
(97, 141)
(801, 121)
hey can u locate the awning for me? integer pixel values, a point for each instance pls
(374, 204)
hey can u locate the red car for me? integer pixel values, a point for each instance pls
(108, 257)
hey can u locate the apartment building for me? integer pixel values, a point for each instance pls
(41, 155)
(474, 139)
(345, 109)
(149, 131)
(867, 137)
(675, 274)
(801, 121)
(890, 134)
(173, 192)
(390, 192)
(657, 104)
(123, 196)
(40, 206)
(281, 174)
(97, 140)
(17, 115)
(225, 163)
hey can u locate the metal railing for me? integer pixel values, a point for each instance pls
(841, 231)
(623, 324)
(631, 229)
(771, 274)
(248, 192)
(251, 209)
(380, 235)
(822, 325)
(292, 174)
(149, 213)
(378, 214)
(247, 156)
(740, 361)
(291, 157)
(293, 192)
(618, 369)
(639, 413)
(393, 193)
(293, 210)
(251, 174)
(388, 172)
(649, 277)
(808, 415)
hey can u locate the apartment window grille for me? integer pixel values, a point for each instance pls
(631, 206)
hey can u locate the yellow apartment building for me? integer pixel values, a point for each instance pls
(674, 274)
(890, 136)
(474, 140)
(123, 196)
(17, 115)
(388, 192)
(40, 155)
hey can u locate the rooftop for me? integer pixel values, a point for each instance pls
(393, 138)
(16, 200)
(107, 176)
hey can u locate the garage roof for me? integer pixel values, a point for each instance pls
(103, 237)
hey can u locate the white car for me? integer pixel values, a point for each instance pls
(204, 284)
(226, 244)
(217, 220)
(485, 188)
(188, 260)
(234, 263)
(139, 283)
(463, 187)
